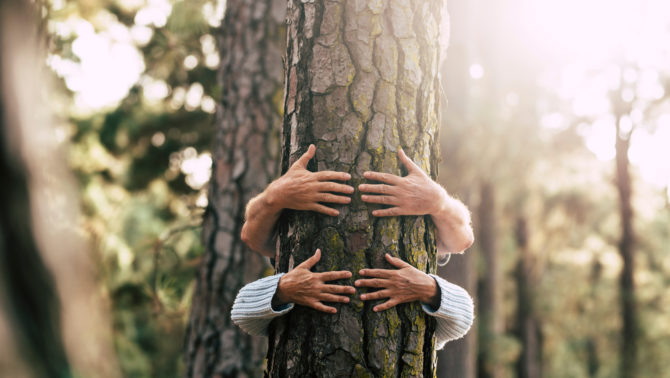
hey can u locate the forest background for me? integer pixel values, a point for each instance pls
(547, 102)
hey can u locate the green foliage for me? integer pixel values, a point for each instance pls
(142, 207)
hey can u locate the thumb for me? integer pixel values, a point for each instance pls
(306, 157)
(396, 261)
(310, 262)
(407, 162)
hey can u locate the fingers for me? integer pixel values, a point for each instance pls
(339, 289)
(376, 295)
(379, 273)
(323, 308)
(407, 162)
(332, 175)
(324, 210)
(326, 297)
(384, 200)
(383, 177)
(334, 187)
(306, 157)
(332, 198)
(372, 282)
(377, 188)
(398, 263)
(390, 212)
(333, 276)
(386, 305)
(310, 262)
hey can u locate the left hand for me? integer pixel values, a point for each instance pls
(414, 194)
(406, 284)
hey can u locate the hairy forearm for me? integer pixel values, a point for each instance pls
(261, 215)
(452, 223)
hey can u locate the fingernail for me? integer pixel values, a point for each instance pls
(363, 297)
(357, 283)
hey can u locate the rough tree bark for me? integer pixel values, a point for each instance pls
(362, 80)
(490, 321)
(528, 326)
(246, 151)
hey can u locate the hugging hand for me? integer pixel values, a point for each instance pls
(414, 194)
(300, 189)
(402, 285)
(310, 289)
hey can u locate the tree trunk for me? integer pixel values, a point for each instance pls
(528, 327)
(626, 249)
(251, 41)
(490, 319)
(361, 81)
(28, 295)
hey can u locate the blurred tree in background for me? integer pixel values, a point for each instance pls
(538, 93)
(246, 158)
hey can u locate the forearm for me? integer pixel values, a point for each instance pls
(261, 215)
(452, 223)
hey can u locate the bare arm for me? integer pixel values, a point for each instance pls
(298, 189)
(418, 194)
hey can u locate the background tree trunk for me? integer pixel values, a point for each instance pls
(626, 246)
(528, 327)
(490, 319)
(28, 293)
(251, 41)
(361, 81)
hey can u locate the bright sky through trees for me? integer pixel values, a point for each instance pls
(592, 47)
(589, 48)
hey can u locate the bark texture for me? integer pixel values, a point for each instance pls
(246, 151)
(362, 81)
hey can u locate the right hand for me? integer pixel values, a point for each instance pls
(310, 289)
(300, 189)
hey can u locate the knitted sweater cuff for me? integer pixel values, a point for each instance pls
(455, 314)
(252, 310)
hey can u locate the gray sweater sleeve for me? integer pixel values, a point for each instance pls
(455, 314)
(252, 310)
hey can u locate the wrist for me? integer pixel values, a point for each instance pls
(272, 198)
(280, 297)
(431, 294)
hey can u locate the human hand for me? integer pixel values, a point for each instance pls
(310, 289)
(406, 284)
(414, 194)
(300, 189)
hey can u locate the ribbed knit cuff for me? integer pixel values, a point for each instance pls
(456, 312)
(252, 310)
